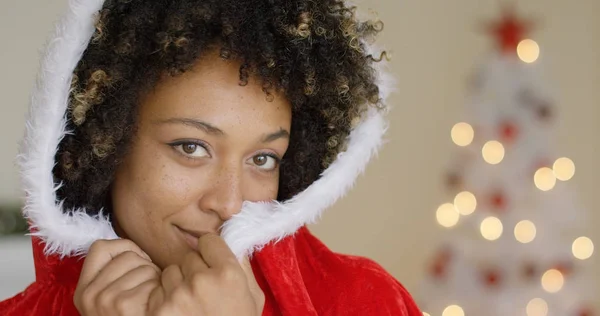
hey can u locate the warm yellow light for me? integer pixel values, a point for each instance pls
(537, 307)
(525, 231)
(465, 202)
(462, 134)
(493, 152)
(447, 215)
(583, 248)
(453, 310)
(564, 168)
(528, 50)
(544, 179)
(552, 281)
(491, 228)
(426, 314)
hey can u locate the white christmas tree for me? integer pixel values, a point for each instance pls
(513, 244)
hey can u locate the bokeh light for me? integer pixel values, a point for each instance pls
(525, 231)
(493, 152)
(583, 248)
(462, 134)
(564, 169)
(465, 202)
(537, 307)
(491, 228)
(553, 281)
(453, 310)
(447, 215)
(528, 50)
(544, 179)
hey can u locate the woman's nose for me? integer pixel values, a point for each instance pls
(224, 194)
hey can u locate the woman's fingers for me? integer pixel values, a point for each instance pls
(133, 278)
(142, 294)
(101, 253)
(130, 294)
(120, 266)
(215, 251)
(193, 264)
(156, 301)
(111, 269)
(171, 278)
(208, 282)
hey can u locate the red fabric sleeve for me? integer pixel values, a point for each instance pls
(307, 278)
(374, 292)
(52, 292)
(40, 300)
(350, 285)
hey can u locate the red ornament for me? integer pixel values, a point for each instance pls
(529, 271)
(438, 270)
(492, 278)
(585, 312)
(510, 30)
(508, 132)
(440, 263)
(498, 201)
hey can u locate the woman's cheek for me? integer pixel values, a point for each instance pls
(261, 188)
(174, 186)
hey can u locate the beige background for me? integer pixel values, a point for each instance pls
(390, 214)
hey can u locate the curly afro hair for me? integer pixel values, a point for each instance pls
(313, 51)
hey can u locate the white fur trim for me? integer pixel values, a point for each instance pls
(71, 233)
(64, 234)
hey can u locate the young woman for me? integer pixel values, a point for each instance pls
(176, 149)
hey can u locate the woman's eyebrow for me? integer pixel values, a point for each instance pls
(206, 127)
(277, 135)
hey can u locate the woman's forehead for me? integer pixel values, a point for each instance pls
(210, 91)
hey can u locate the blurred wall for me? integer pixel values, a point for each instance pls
(24, 27)
(389, 216)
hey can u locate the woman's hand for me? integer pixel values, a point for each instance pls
(208, 283)
(117, 279)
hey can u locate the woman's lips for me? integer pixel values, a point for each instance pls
(191, 237)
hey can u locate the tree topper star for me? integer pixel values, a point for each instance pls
(510, 30)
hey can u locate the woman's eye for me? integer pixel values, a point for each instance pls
(265, 162)
(192, 150)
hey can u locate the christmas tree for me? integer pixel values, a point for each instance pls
(513, 244)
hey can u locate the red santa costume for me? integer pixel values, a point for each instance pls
(298, 274)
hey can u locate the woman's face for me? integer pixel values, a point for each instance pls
(203, 145)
